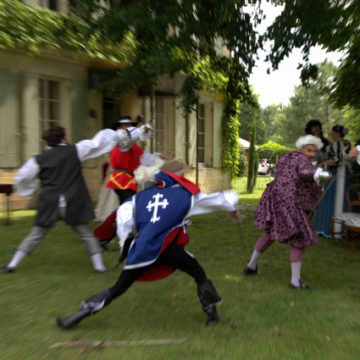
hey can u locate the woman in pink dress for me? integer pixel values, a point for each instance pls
(285, 207)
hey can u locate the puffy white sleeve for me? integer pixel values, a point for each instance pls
(25, 179)
(125, 221)
(103, 142)
(218, 201)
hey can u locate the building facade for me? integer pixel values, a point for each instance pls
(60, 88)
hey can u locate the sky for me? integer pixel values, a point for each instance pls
(278, 86)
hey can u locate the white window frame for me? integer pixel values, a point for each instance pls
(46, 102)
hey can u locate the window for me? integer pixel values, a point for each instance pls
(201, 134)
(49, 103)
(111, 112)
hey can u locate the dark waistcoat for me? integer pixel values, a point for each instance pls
(60, 173)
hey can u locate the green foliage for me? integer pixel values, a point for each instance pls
(179, 37)
(253, 162)
(286, 123)
(33, 30)
(333, 25)
(351, 120)
(203, 76)
(248, 115)
(242, 165)
(230, 149)
(272, 151)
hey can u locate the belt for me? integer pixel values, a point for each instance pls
(124, 171)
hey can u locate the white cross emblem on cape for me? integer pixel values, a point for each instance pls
(155, 205)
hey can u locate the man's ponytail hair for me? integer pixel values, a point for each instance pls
(54, 135)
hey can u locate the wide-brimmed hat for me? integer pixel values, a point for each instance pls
(175, 166)
(124, 120)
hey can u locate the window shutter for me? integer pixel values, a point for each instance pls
(9, 135)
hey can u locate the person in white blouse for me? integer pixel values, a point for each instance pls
(160, 216)
(63, 191)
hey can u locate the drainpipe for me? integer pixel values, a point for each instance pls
(187, 138)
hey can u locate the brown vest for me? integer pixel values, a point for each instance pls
(60, 173)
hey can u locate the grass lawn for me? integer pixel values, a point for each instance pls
(239, 185)
(266, 319)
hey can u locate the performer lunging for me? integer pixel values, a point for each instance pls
(159, 215)
(63, 190)
(286, 205)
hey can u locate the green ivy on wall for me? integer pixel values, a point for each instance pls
(32, 30)
(207, 76)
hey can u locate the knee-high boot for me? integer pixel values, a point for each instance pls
(209, 297)
(88, 307)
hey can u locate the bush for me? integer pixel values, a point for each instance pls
(242, 161)
(272, 151)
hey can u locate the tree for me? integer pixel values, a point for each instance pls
(172, 36)
(274, 116)
(352, 122)
(248, 115)
(310, 102)
(242, 161)
(332, 24)
(192, 37)
(253, 162)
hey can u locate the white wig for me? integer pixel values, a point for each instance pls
(144, 175)
(302, 141)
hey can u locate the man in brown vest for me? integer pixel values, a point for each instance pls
(63, 191)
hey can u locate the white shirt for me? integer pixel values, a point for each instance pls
(201, 204)
(102, 143)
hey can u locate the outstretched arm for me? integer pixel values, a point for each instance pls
(219, 201)
(25, 179)
(105, 140)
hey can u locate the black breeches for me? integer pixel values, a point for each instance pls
(177, 257)
(174, 256)
(124, 194)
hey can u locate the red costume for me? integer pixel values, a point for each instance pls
(124, 163)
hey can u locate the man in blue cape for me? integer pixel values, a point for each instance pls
(159, 215)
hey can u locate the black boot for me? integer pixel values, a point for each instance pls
(70, 321)
(213, 317)
(209, 297)
(88, 307)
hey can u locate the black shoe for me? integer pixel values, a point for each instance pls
(303, 286)
(249, 271)
(7, 269)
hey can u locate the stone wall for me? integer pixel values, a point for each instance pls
(210, 179)
(92, 177)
